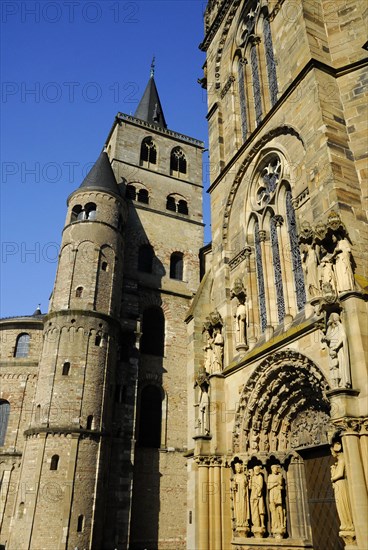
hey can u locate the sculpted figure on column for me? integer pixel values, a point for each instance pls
(257, 505)
(343, 267)
(309, 264)
(241, 314)
(203, 420)
(218, 347)
(240, 496)
(275, 484)
(339, 352)
(340, 486)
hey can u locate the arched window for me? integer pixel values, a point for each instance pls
(171, 203)
(242, 98)
(54, 462)
(256, 82)
(90, 423)
(183, 207)
(176, 266)
(150, 417)
(153, 332)
(80, 523)
(4, 419)
(178, 162)
(98, 340)
(66, 368)
(295, 253)
(143, 196)
(270, 61)
(22, 345)
(130, 192)
(79, 292)
(145, 258)
(91, 211)
(77, 209)
(148, 152)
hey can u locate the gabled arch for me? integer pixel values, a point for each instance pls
(281, 388)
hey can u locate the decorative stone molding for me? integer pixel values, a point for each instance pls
(239, 258)
(227, 86)
(284, 386)
(301, 198)
(352, 425)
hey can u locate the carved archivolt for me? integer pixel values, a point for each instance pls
(284, 392)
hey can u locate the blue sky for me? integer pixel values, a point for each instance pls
(67, 68)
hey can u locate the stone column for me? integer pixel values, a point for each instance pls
(296, 491)
(363, 440)
(356, 478)
(216, 509)
(203, 504)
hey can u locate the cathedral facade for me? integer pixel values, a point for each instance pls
(210, 398)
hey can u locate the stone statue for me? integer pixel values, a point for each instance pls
(257, 505)
(275, 484)
(208, 352)
(204, 404)
(309, 264)
(340, 486)
(203, 420)
(326, 275)
(241, 314)
(343, 267)
(339, 352)
(240, 496)
(218, 348)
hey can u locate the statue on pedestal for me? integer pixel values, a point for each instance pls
(343, 264)
(241, 314)
(339, 352)
(257, 505)
(275, 485)
(214, 343)
(239, 489)
(203, 420)
(340, 486)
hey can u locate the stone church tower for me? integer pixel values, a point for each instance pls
(278, 328)
(94, 394)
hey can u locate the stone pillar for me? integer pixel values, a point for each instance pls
(296, 491)
(203, 504)
(216, 509)
(356, 478)
(363, 440)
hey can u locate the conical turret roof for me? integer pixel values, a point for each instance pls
(101, 175)
(149, 108)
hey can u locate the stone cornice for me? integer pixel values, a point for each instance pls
(65, 431)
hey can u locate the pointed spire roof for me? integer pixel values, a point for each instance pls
(101, 175)
(149, 108)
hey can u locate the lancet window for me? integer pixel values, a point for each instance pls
(148, 152)
(258, 88)
(273, 229)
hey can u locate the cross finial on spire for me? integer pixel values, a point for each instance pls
(153, 67)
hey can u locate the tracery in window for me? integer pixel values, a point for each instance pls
(178, 162)
(148, 154)
(295, 253)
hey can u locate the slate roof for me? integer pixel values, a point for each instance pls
(101, 175)
(150, 108)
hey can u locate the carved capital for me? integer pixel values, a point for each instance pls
(279, 220)
(262, 235)
(352, 425)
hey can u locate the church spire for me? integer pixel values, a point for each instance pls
(149, 108)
